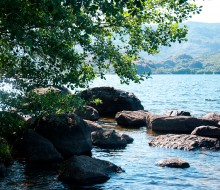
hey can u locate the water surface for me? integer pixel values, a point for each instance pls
(198, 94)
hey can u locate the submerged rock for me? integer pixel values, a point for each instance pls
(131, 118)
(68, 133)
(38, 148)
(113, 100)
(110, 139)
(85, 170)
(207, 131)
(173, 163)
(178, 124)
(185, 142)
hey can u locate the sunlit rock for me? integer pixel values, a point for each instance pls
(113, 100)
(131, 118)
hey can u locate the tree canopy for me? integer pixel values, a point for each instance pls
(70, 42)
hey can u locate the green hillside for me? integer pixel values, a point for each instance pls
(200, 54)
(203, 39)
(182, 64)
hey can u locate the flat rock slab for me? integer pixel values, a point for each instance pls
(207, 131)
(178, 124)
(185, 142)
(85, 170)
(131, 118)
(173, 163)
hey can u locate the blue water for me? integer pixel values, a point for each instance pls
(199, 94)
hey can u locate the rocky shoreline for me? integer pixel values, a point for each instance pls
(67, 139)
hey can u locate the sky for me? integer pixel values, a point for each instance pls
(210, 12)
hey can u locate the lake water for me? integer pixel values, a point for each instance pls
(199, 94)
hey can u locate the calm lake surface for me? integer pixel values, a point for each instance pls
(199, 94)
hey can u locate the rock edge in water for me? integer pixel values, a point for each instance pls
(185, 142)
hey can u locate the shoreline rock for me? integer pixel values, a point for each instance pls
(39, 149)
(84, 170)
(69, 133)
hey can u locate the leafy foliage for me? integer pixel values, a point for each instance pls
(70, 42)
(12, 126)
(35, 103)
(183, 64)
(48, 41)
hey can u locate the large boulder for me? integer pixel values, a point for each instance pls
(88, 113)
(185, 142)
(113, 100)
(207, 131)
(131, 118)
(173, 163)
(109, 139)
(68, 132)
(93, 125)
(213, 116)
(178, 124)
(38, 148)
(84, 170)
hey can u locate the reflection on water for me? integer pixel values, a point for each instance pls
(138, 159)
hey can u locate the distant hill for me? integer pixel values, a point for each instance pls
(182, 64)
(203, 39)
(200, 54)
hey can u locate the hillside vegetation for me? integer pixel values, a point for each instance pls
(200, 54)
